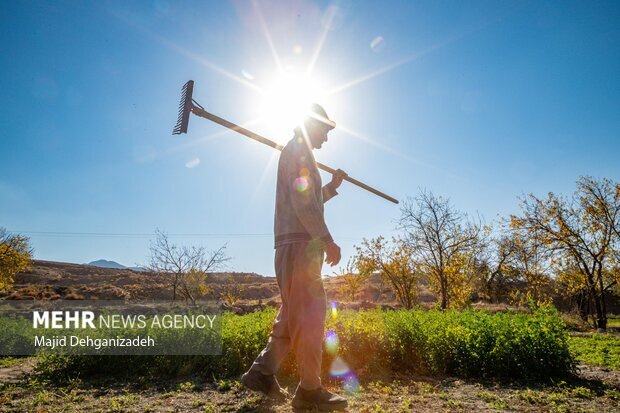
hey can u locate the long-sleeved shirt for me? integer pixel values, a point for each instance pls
(300, 197)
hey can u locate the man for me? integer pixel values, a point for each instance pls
(302, 240)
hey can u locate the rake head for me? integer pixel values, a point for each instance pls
(185, 107)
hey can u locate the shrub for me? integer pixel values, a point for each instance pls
(468, 343)
(15, 256)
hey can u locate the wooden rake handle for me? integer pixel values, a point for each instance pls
(198, 111)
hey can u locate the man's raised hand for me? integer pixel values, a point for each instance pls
(337, 178)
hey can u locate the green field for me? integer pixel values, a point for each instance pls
(463, 343)
(597, 349)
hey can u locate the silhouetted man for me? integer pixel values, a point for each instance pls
(302, 240)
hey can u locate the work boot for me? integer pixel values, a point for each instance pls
(264, 383)
(320, 399)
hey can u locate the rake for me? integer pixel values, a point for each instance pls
(189, 105)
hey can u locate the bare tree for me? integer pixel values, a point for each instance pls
(443, 239)
(495, 271)
(532, 262)
(184, 266)
(583, 232)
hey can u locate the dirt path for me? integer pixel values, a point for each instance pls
(15, 372)
(595, 390)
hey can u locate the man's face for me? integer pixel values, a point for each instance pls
(317, 134)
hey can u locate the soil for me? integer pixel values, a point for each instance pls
(594, 389)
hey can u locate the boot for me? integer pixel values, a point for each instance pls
(320, 399)
(264, 383)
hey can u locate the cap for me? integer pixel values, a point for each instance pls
(318, 113)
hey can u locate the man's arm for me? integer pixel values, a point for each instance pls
(307, 206)
(329, 192)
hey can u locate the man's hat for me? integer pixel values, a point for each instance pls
(318, 113)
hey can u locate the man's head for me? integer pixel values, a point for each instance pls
(316, 126)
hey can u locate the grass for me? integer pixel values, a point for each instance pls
(8, 361)
(597, 349)
(613, 321)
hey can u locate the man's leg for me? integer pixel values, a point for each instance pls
(307, 309)
(279, 343)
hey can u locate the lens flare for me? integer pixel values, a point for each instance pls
(351, 383)
(331, 342)
(339, 368)
(377, 44)
(334, 310)
(301, 184)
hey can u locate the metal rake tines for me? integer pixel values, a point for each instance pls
(185, 107)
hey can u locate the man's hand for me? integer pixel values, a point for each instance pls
(337, 178)
(332, 254)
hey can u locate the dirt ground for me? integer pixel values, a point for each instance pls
(595, 390)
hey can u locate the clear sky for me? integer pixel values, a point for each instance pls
(476, 101)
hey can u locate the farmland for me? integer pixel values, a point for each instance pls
(488, 359)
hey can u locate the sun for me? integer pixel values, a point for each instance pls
(286, 100)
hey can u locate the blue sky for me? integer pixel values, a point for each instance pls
(476, 101)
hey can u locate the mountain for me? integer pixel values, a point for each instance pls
(107, 264)
(113, 264)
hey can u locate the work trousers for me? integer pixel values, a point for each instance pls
(300, 323)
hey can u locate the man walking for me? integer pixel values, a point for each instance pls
(302, 240)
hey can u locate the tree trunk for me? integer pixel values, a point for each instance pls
(601, 317)
(583, 305)
(444, 293)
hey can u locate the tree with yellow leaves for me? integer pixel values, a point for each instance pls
(583, 233)
(396, 265)
(15, 256)
(352, 280)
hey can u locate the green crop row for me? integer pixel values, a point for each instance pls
(465, 343)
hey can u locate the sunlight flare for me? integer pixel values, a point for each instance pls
(287, 98)
(263, 26)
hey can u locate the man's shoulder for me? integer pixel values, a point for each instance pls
(295, 145)
(296, 151)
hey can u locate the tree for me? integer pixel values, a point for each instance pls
(496, 274)
(196, 282)
(185, 267)
(583, 233)
(531, 262)
(15, 256)
(444, 240)
(352, 280)
(231, 291)
(396, 265)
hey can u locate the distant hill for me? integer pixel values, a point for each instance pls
(113, 264)
(50, 280)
